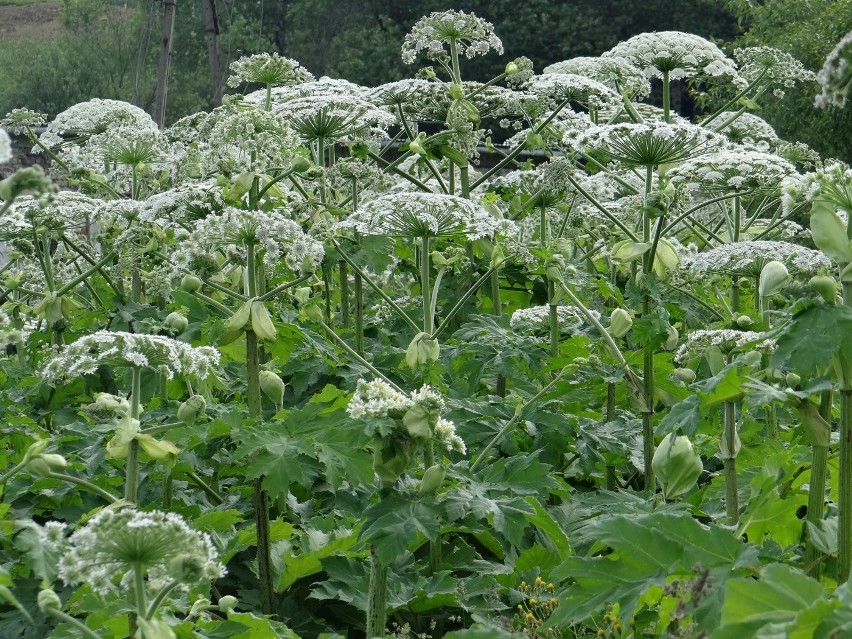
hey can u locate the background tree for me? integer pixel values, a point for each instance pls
(808, 31)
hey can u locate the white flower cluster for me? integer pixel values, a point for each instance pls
(114, 348)
(377, 398)
(5, 147)
(9, 333)
(733, 170)
(557, 87)
(833, 181)
(619, 74)
(727, 340)
(424, 215)
(280, 237)
(63, 210)
(682, 55)
(567, 124)
(772, 66)
(445, 433)
(749, 257)
(748, 129)
(537, 318)
(471, 36)
(835, 77)
(647, 143)
(267, 68)
(17, 121)
(92, 117)
(110, 546)
(180, 205)
(247, 139)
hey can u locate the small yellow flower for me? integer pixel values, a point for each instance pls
(532, 601)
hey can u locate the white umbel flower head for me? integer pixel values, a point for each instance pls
(267, 68)
(106, 551)
(726, 340)
(647, 143)
(682, 55)
(619, 74)
(115, 348)
(748, 258)
(5, 147)
(770, 66)
(557, 87)
(377, 398)
(835, 77)
(472, 36)
(281, 239)
(92, 117)
(424, 215)
(733, 170)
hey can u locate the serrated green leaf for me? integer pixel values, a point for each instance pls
(397, 521)
(778, 596)
(545, 522)
(41, 557)
(308, 559)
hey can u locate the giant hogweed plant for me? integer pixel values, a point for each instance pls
(302, 366)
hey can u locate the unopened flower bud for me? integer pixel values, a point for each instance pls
(676, 465)
(684, 375)
(773, 277)
(191, 283)
(176, 322)
(744, 321)
(273, 387)
(753, 358)
(619, 323)
(432, 479)
(826, 286)
(672, 337)
(48, 600)
(792, 379)
(189, 410)
(228, 602)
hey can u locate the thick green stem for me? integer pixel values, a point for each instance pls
(261, 502)
(359, 314)
(611, 479)
(553, 315)
(732, 505)
(377, 598)
(161, 596)
(519, 411)
(667, 97)
(131, 484)
(425, 286)
(816, 490)
(648, 357)
(84, 484)
(844, 506)
(72, 621)
(816, 508)
(402, 314)
(343, 270)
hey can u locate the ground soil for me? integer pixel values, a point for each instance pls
(38, 21)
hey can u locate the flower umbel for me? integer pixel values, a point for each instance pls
(114, 543)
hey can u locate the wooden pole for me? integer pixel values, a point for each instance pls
(169, 7)
(211, 35)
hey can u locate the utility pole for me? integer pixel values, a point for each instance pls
(169, 7)
(211, 35)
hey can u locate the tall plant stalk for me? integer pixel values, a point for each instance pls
(261, 499)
